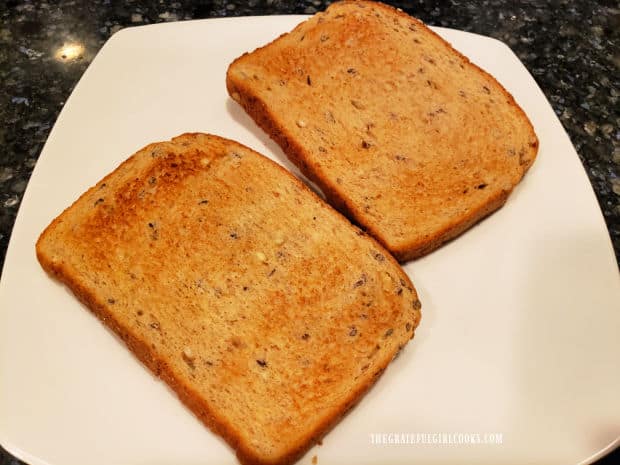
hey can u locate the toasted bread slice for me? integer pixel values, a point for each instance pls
(401, 132)
(264, 309)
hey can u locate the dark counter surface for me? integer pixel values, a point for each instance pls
(570, 47)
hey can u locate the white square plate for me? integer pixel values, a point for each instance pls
(521, 314)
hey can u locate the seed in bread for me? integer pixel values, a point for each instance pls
(400, 131)
(264, 309)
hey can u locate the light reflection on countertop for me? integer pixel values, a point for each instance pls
(69, 52)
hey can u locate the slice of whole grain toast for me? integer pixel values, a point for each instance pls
(401, 132)
(265, 310)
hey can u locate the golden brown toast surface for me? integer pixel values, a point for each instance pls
(401, 132)
(266, 311)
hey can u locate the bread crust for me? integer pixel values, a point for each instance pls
(63, 267)
(271, 121)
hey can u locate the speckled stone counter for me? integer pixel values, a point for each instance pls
(570, 47)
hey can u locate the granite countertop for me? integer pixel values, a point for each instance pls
(571, 49)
